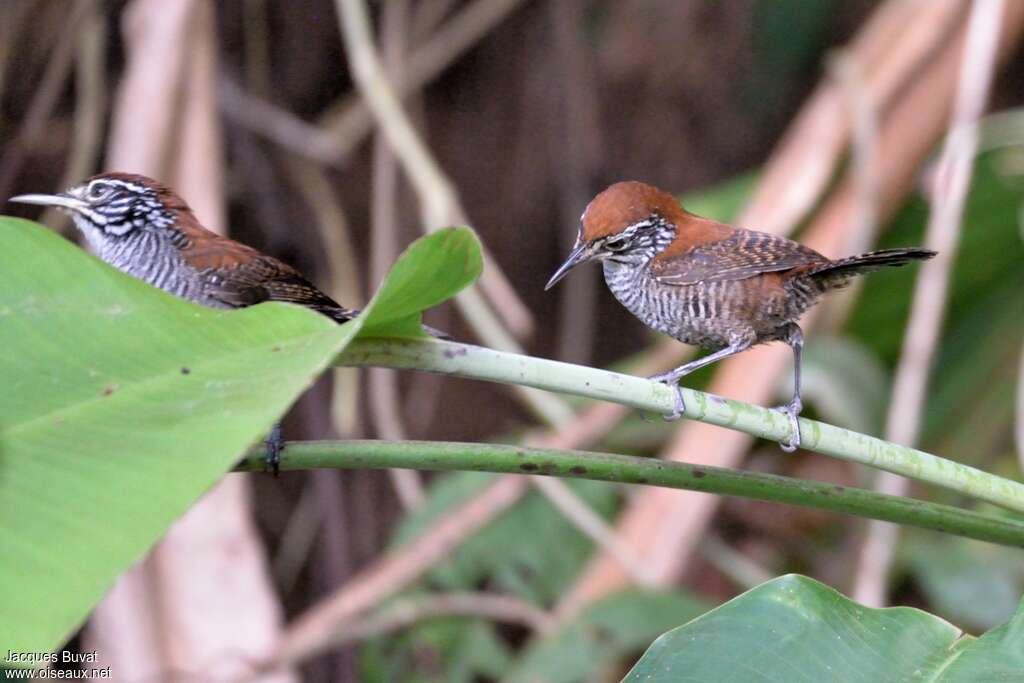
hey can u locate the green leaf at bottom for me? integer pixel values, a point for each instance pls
(794, 629)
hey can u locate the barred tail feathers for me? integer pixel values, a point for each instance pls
(842, 269)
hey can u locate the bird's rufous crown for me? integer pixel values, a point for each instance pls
(629, 202)
(625, 204)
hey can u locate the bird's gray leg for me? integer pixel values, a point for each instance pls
(672, 377)
(795, 338)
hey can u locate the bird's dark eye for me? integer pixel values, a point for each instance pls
(617, 244)
(98, 190)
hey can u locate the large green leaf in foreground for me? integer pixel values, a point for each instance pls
(121, 405)
(794, 629)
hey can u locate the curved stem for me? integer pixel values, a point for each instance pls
(441, 456)
(474, 362)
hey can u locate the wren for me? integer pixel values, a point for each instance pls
(710, 284)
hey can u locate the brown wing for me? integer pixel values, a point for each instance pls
(742, 254)
(238, 275)
(264, 278)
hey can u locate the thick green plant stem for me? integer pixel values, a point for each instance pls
(434, 455)
(474, 362)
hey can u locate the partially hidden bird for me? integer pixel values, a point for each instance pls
(709, 284)
(143, 228)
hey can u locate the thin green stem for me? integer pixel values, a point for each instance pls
(443, 456)
(474, 362)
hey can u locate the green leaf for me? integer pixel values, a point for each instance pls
(604, 633)
(794, 629)
(433, 269)
(123, 404)
(996, 656)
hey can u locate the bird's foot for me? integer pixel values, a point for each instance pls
(792, 410)
(275, 445)
(672, 381)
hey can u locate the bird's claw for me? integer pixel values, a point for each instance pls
(792, 410)
(679, 406)
(274, 444)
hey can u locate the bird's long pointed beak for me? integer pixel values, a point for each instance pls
(580, 253)
(63, 201)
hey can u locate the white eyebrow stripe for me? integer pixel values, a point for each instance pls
(125, 184)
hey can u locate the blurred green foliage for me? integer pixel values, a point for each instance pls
(975, 585)
(602, 635)
(515, 553)
(970, 407)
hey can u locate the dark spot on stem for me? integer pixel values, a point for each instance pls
(529, 467)
(108, 390)
(641, 480)
(185, 371)
(452, 353)
(578, 469)
(699, 474)
(839, 489)
(275, 348)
